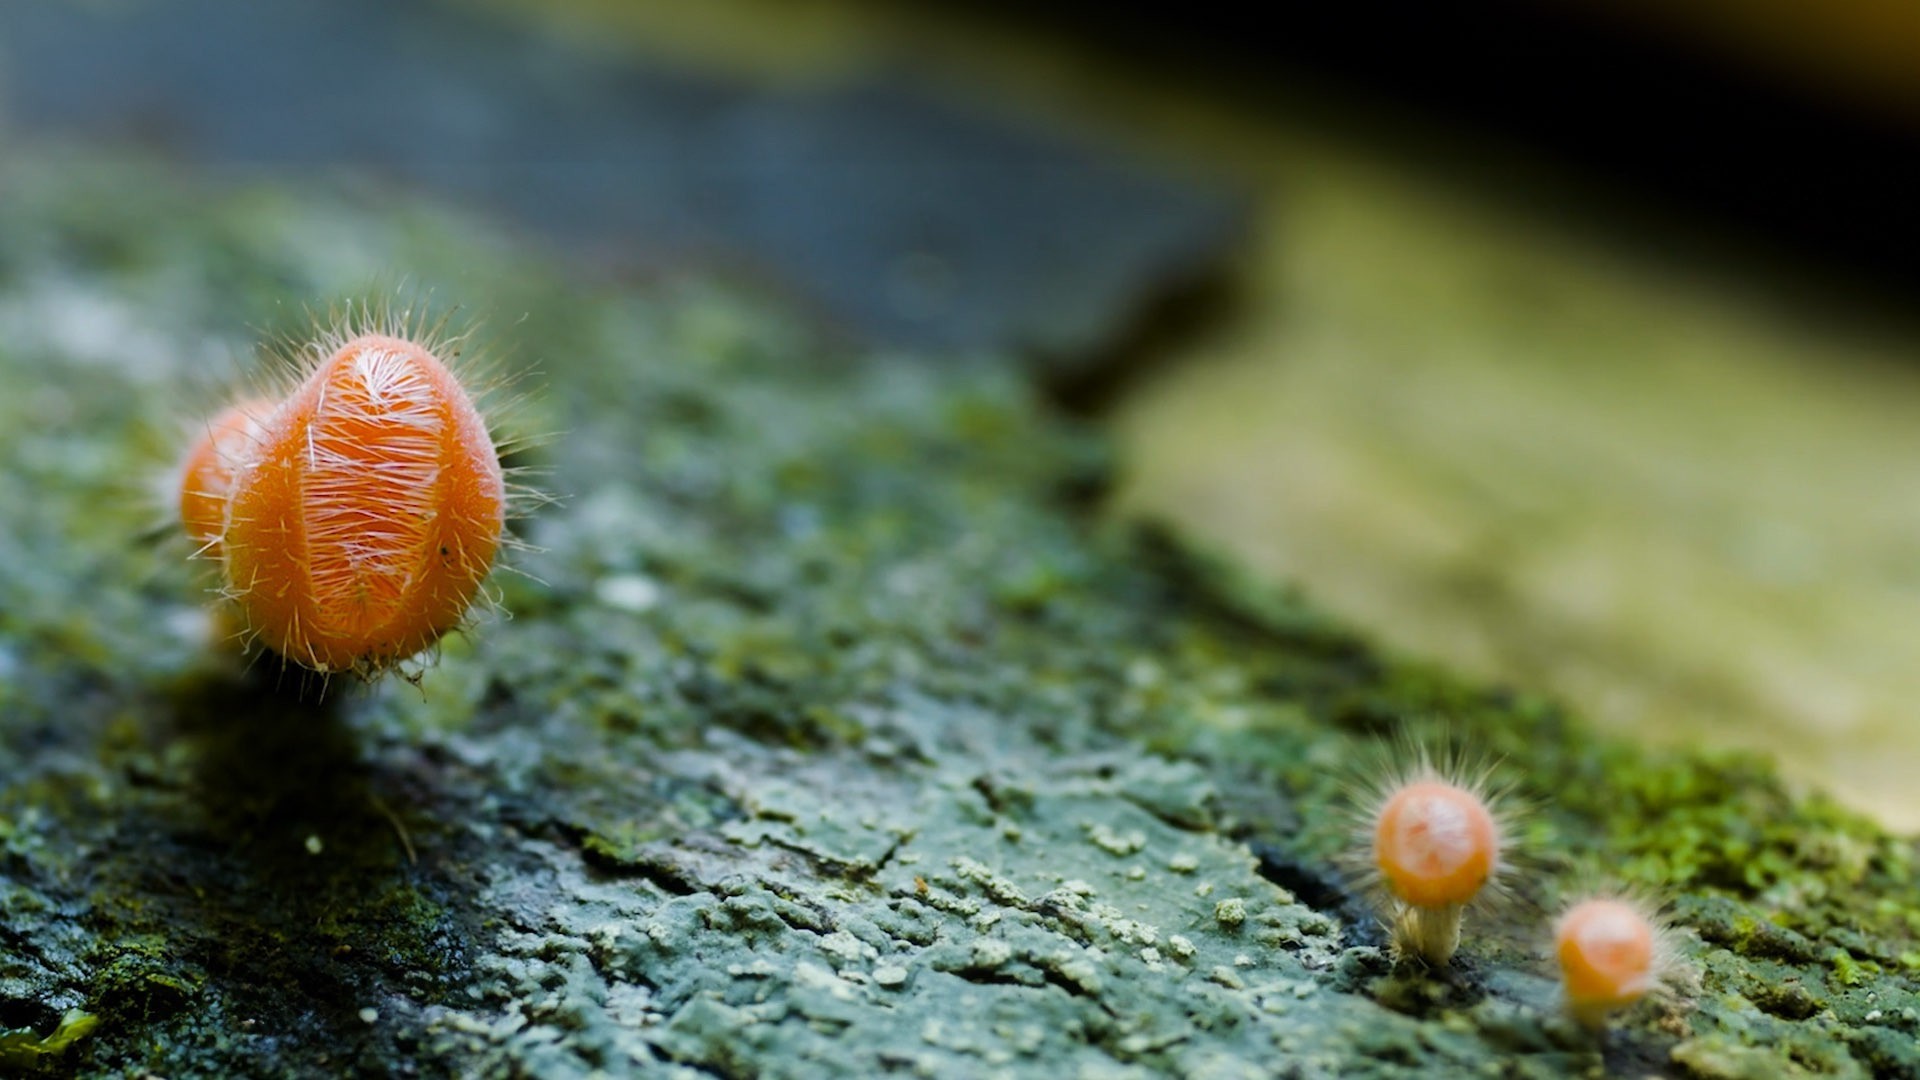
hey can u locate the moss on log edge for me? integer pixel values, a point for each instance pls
(833, 733)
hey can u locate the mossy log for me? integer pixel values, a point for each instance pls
(833, 733)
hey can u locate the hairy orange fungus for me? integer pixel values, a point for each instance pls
(1434, 839)
(1610, 954)
(360, 530)
(206, 476)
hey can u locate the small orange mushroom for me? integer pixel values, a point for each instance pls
(1435, 843)
(1612, 953)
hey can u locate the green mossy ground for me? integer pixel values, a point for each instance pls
(833, 733)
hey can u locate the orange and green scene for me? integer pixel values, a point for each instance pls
(862, 538)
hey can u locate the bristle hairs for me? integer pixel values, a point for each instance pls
(463, 341)
(457, 338)
(1423, 934)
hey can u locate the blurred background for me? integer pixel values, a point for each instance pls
(1565, 342)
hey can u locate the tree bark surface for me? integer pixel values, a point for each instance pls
(832, 733)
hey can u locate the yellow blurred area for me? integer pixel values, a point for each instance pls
(1691, 511)
(1488, 416)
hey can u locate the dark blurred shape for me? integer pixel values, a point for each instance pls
(1710, 109)
(1864, 50)
(911, 219)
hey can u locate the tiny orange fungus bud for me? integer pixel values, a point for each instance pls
(362, 526)
(1434, 841)
(1612, 952)
(206, 475)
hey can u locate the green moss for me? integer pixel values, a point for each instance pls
(23, 1049)
(831, 733)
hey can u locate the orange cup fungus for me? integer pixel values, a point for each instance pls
(357, 520)
(1612, 952)
(1434, 842)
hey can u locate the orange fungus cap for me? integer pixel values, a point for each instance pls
(370, 515)
(1606, 954)
(1435, 844)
